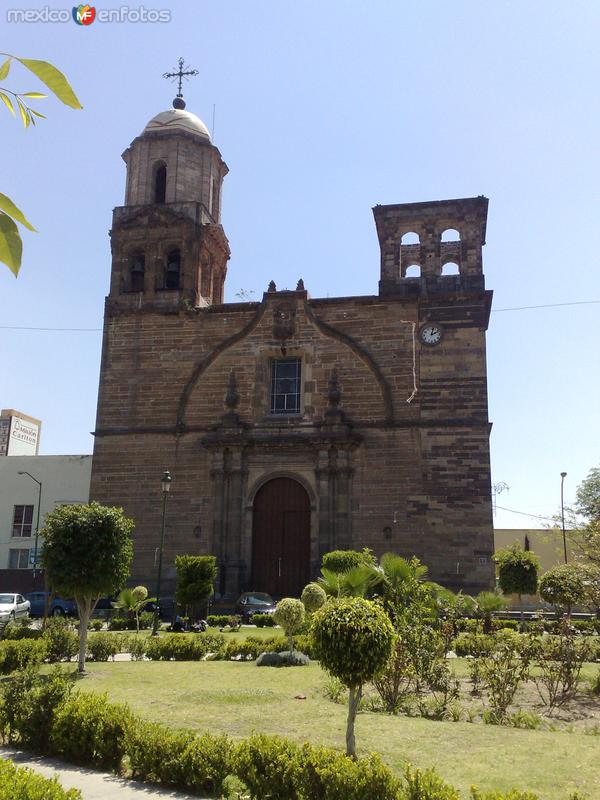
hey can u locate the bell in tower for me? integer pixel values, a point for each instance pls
(168, 245)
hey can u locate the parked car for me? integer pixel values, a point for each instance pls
(13, 606)
(254, 603)
(59, 606)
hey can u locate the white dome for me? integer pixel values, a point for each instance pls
(178, 120)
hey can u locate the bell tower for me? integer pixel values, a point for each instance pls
(168, 245)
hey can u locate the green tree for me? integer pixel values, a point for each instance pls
(517, 572)
(563, 587)
(11, 245)
(353, 639)
(587, 498)
(133, 601)
(196, 576)
(87, 553)
(289, 614)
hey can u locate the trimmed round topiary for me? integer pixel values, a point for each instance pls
(289, 614)
(563, 587)
(313, 597)
(353, 639)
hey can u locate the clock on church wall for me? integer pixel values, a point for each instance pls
(431, 333)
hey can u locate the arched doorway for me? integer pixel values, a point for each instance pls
(281, 538)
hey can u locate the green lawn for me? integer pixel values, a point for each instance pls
(239, 698)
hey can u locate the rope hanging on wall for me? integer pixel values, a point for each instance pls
(413, 325)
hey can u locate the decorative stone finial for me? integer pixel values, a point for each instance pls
(334, 395)
(300, 286)
(232, 397)
(272, 287)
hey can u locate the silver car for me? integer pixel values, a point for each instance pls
(13, 606)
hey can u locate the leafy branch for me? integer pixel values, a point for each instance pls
(11, 245)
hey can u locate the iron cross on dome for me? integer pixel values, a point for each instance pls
(182, 72)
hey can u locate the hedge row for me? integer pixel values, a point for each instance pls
(21, 783)
(64, 645)
(46, 715)
(481, 644)
(535, 626)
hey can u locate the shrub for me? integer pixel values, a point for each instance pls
(289, 614)
(509, 624)
(473, 644)
(263, 620)
(97, 624)
(15, 630)
(426, 785)
(62, 642)
(586, 626)
(501, 674)
(29, 702)
(155, 752)
(313, 596)
(121, 624)
(268, 766)
(559, 660)
(20, 653)
(326, 774)
(88, 729)
(305, 645)
(209, 760)
(21, 783)
(344, 560)
(178, 758)
(513, 794)
(134, 645)
(146, 620)
(252, 647)
(213, 642)
(595, 683)
(102, 646)
(176, 647)
(217, 620)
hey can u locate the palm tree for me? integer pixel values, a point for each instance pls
(487, 603)
(360, 581)
(134, 601)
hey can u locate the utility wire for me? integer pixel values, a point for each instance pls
(525, 514)
(548, 305)
(494, 311)
(22, 328)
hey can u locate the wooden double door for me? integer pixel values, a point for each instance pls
(281, 538)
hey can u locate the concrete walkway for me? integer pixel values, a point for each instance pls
(92, 784)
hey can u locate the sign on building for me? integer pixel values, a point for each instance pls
(19, 434)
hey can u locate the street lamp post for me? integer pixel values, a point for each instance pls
(563, 475)
(165, 486)
(37, 524)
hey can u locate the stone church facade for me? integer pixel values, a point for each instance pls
(294, 425)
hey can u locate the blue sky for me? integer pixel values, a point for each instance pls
(323, 110)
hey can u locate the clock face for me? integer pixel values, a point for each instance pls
(431, 333)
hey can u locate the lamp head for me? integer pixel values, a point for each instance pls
(563, 474)
(165, 483)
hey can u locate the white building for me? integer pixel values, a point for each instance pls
(29, 483)
(19, 433)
